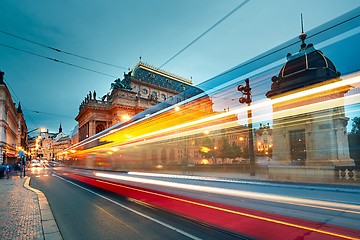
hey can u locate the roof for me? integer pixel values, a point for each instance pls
(307, 67)
(66, 138)
(152, 75)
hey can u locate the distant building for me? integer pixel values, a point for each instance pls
(263, 141)
(59, 144)
(49, 145)
(13, 129)
(74, 135)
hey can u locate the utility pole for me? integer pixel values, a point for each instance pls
(246, 98)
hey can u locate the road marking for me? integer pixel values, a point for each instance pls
(333, 206)
(271, 220)
(134, 211)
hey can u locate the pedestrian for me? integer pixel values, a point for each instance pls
(7, 170)
(2, 171)
(20, 170)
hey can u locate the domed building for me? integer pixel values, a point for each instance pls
(309, 122)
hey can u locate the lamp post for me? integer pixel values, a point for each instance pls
(185, 156)
(246, 98)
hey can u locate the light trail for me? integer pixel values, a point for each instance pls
(341, 207)
(134, 211)
(232, 211)
(307, 92)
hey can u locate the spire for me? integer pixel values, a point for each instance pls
(60, 128)
(2, 77)
(19, 110)
(302, 35)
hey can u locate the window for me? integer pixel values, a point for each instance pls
(145, 91)
(99, 128)
(298, 146)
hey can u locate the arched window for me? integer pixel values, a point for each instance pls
(163, 157)
(154, 157)
(172, 156)
(99, 128)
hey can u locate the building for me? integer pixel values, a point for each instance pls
(263, 142)
(47, 145)
(142, 87)
(13, 129)
(60, 142)
(307, 130)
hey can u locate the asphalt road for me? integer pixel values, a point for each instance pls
(82, 212)
(335, 205)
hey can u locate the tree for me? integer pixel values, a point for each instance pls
(208, 144)
(225, 149)
(355, 125)
(235, 151)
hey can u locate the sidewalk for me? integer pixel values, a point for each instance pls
(25, 212)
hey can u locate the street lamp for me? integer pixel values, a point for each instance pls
(246, 98)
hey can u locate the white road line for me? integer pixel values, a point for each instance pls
(134, 211)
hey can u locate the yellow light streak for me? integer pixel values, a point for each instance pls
(173, 124)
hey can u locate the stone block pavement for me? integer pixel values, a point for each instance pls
(24, 212)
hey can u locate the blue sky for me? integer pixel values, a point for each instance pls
(118, 32)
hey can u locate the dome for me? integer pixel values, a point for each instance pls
(307, 59)
(308, 66)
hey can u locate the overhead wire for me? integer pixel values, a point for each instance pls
(61, 51)
(18, 100)
(282, 48)
(52, 114)
(56, 60)
(208, 30)
(24, 108)
(213, 26)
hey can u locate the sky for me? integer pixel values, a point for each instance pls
(119, 32)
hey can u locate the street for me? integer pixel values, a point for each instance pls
(82, 212)
(146, 206)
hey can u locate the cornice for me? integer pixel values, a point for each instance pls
(162, 72)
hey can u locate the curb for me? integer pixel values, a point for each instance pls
(49, 226)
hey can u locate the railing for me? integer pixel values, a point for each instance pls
(348, 173)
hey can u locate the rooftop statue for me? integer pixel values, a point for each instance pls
(121, 84)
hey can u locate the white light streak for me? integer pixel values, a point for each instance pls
(239, 193)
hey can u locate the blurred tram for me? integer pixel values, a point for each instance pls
(300, 117)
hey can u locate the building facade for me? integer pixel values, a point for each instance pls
(49, 146)
(13, 129)
(263, 141)
(309, 129)
(141, 88)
